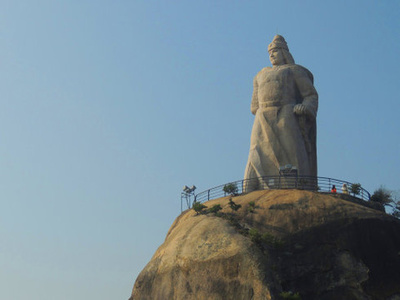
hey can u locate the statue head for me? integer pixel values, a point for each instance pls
(279, 52)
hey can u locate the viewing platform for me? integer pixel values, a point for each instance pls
(344, 188)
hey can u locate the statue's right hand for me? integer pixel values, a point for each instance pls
(300, 109)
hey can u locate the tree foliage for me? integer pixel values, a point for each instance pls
(233, 205)
(355, 189)
(230, 188)
(215, 208)
(383, 196)
(198, 207)
(388, 198)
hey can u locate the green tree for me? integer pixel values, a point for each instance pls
(230, 188)
(198, 207)
(388, 198)
(215, 208)
(233, 205)
(383, 196)
(355, 189)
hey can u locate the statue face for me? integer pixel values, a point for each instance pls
(276, 57)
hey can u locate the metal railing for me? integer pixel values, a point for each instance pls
(317, 184)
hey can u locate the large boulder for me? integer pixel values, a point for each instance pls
(279, 241)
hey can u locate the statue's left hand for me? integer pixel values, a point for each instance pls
(300, 109)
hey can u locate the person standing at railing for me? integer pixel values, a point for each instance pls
(333, 190)
(344, 189)
(285, 105)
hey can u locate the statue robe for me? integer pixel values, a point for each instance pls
(279, 136)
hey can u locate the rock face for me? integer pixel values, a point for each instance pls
(320, 246)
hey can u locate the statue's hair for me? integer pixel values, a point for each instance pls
(287, 56)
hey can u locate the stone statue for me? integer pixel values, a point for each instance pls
(285, 105)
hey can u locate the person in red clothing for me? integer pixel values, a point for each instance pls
(333, 190)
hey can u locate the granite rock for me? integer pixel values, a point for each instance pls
(322, 247)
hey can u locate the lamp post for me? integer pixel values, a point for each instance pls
(187, 193)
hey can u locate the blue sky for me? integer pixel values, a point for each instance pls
(109, 107)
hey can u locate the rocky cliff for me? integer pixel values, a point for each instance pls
(312, 245)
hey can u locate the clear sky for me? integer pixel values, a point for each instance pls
(109, 107)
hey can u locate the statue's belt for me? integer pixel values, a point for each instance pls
(272, 103)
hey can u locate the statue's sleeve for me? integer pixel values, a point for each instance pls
(254, 98)
(304, 82)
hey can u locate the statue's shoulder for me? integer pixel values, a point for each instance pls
(301, 71)
(263, 71)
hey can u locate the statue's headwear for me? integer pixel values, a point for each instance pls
(278, 42)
